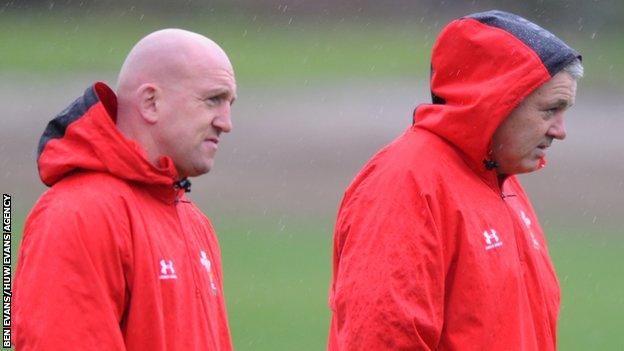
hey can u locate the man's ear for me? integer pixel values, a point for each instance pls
(149, 102)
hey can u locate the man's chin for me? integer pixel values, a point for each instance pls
(205, 168)
(526, 166)
(531, 166)
(198, 170)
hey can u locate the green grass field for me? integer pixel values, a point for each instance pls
(282, 51)
(589, 266)
(277, 282)
(273, 52)
(277, 277)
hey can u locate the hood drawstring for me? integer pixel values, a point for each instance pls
(183, 184)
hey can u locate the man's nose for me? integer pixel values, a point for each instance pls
(223, 121)
(557, 129)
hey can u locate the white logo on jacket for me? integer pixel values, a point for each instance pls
(166, 270)
(491, 239)
(203, 259)
(527, 223)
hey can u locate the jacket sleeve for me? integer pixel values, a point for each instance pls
(69, 286)
(388, 280)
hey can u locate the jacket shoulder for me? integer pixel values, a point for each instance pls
(87, 191)
(93, 200)
(91, 185)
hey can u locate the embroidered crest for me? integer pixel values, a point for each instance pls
(203, 259)
(527, 223)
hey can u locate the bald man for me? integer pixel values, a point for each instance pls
(114, 255)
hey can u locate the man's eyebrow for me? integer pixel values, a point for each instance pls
(220, 91)
(564, 103)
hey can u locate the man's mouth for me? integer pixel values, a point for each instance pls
(543, 146)
(211, 143)
(541, 150)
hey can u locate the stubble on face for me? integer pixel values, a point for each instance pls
(160, 106)
(197, 110)
(520, 142)
(211, 96)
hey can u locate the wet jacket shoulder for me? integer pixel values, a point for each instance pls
(76, 248)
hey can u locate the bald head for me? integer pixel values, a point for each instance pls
(174, 93)
(168, 55)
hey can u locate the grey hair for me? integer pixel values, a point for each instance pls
(575, 69)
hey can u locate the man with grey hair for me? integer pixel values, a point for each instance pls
(114, 255)
(437, 246)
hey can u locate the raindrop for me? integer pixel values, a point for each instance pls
(593, 36)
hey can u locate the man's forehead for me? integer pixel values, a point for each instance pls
(216, 81)
(560, 86)
(217, 77)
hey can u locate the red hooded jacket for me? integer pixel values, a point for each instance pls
(114, 256)
(431, 250)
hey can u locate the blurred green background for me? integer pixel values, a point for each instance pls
(322, 86)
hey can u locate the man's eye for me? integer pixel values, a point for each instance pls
(551, 111)
(215, 100)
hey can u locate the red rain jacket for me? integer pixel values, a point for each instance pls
(114, 256)
(431, 250)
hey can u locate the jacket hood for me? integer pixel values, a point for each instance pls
(483, 65)
(84, 137)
